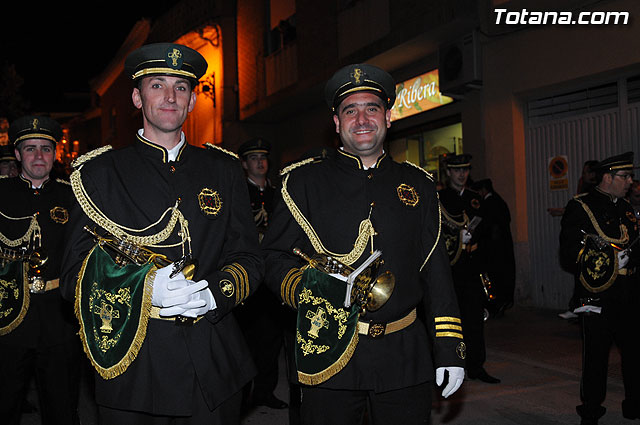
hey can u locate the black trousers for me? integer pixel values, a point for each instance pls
(56, 371)
(261, 321)
(471, 299)
(226, 414)
(599, 333)
(406, 406)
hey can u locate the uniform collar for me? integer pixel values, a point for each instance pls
(147, 147)
(28, 183)
(604, 194)
(355, 161)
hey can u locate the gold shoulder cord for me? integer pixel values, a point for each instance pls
(440, 211)
(98, 217)
(429, 175)
(365, 231)
(33, 230)
(437, 237)
(460, 224)
(212, 146)
(623, 229)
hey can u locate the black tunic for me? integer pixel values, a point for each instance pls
(49, 320)
(618, 320)
(335, 195)
(133, 186)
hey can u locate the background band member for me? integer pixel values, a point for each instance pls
(261, 316)
(597, 235)
(37, 327)
(460, 205)
(347, 206)
(186, 203)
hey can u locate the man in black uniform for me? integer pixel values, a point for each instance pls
(597, 242)
(462, 221)
(348, 206)
(261, 316)
(37, 327)
(160, 336)
(8, 162)
(498, 249)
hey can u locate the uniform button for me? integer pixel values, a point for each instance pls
(370, 176)
(36, 192)
(172, 169)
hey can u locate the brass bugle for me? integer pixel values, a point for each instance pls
(128, 252)
(370, 290)
(35, 258)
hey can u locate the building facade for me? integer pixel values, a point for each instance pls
(514, 83)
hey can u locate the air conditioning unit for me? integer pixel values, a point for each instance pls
(460, 65)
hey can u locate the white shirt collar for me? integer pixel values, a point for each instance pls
(173, 152)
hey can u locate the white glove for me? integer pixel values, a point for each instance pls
(623, 259)
(466, 236)
(205, 301)
(165, 287)
(456, 376)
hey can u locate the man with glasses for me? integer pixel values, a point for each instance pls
(597, 243)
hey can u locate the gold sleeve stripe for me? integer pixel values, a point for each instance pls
(449, 334)
(288, 288)
(236, 278)
(453, 327)
(244, 288)
(294, 278)
(241, 280)
(447, 319)
(283, 286)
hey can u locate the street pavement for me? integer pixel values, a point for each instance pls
(535, 353)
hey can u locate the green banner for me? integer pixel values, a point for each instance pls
(327, 333)
(113, 305)
(598, 265)
(14, 296)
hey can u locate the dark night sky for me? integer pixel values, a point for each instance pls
(57, 48)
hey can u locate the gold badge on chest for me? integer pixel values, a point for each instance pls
(408, 195)
(59, 215)
(210, 202)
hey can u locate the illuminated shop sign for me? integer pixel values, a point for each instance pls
(418, 95)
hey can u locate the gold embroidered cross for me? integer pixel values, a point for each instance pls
(357, 73)
(107, 314)
(318, 321)
(174, 56)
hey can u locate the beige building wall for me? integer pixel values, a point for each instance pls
(531, 62)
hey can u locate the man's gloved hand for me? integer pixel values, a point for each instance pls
(623, 259)
(165, 287)
(466, 236)
(204, 301)
(174, 295)
(456, 376)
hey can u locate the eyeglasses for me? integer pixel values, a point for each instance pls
(625, 176)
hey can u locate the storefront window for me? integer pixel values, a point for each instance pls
(427, 148)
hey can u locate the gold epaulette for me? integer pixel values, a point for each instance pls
(63, 182)
(76, 163)
(580, 195)
(4, 176)
(429, 175)
(295, 165)
(228, 152)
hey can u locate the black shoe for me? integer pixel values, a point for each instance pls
(483, 376)
(270, 401)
